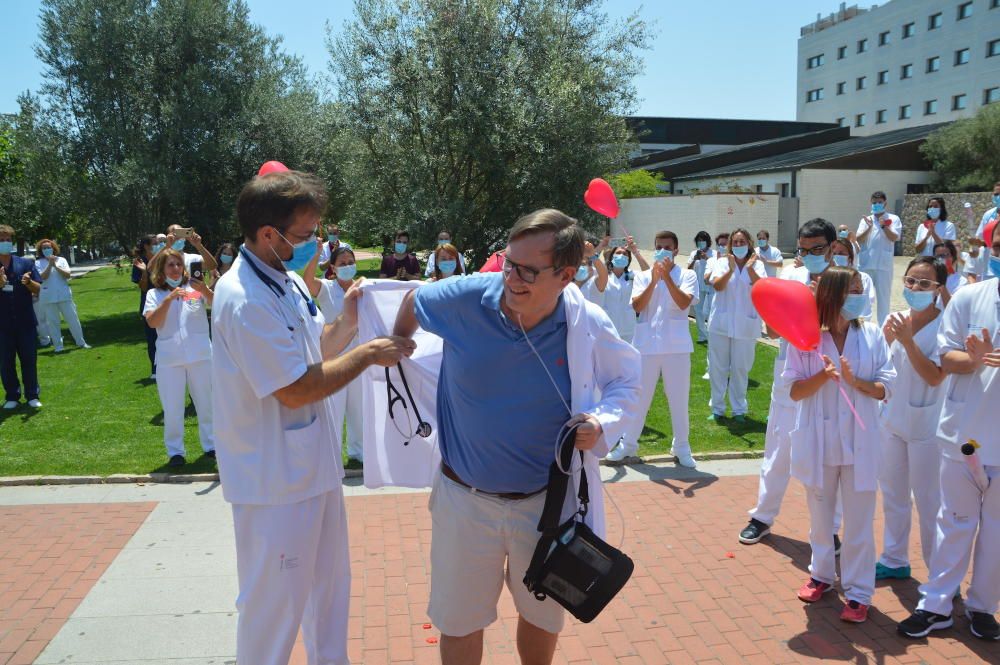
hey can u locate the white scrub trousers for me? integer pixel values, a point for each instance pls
(294, 570)
(729, 363)
(969, 521)
(67, 310)
(349, 401)
(909, 468)
(676, 371)
(702, 309)
(171, 380)
(882, 280)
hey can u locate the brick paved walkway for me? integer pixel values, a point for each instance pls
(50, 558)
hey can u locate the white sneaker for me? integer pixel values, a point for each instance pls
(705, 376)
(152, 377)
(10, 405)
(86, 346)
(617, 455)
(685, 460)
(34, 404)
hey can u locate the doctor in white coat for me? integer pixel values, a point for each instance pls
(56, 298)
(877, 235)
(524, 354)
(830, 451)
(699, 261)
(618, 294)
(275, 366)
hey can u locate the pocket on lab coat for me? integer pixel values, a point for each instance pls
(303, 449)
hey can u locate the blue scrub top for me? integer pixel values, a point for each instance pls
(16, 311)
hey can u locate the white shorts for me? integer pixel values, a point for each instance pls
(479, 541)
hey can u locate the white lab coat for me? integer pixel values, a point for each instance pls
(772, 253)
(618, 303)
(877, 251)
(590, 290)
(347, 401)
(945, 230)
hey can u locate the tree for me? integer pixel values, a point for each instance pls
(637, 184)
(965, 155)
(468, 116)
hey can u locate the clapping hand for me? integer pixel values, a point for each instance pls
(979, 348)
(830, 370)
(25, 279)
(350, 312)
(3, 277)
(846, 374)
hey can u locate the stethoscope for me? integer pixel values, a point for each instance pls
(276, 288)
(393, 395)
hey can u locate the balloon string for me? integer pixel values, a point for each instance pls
(847, 400)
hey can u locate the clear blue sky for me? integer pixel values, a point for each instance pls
(709, 58)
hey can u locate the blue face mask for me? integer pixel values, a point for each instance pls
(178, 245)
(878, 208)
(918, 300)
(448, 266)
(933, 213)
(301, 254)
(226, 258)
(47, 252)
(400, 248)
(995, 266)
(854, 306)
(702, 244)
(173, 283)
(619, 261)
(347, 273)
(158, 247)
(840, 260)
(441, 243)
(996, 200)
(761, 243)
(843, 234)
(741, 251)
(6, 247)
(662, 254)
(333, 237)
(582, 273)
(722, 248)
(815, 264)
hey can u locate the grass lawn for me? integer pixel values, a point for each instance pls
(102, 414)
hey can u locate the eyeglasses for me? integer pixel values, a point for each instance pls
(819, 250)
(525, 273)
(922, 284)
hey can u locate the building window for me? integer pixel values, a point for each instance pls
(934, 21)
(784, 190)
(906, 72)
(815, 61)
(862, 45)
(840, 87)
(843, 121)
(933, 64)
(994, 4)
(993, 48)
(841, 53)
(883, 38)
(908, 30)
(930, 107)
(959, 102)
(880, 117)
(905, 112)
(991, 95)
(883, 77)
(859, 120)
(862, 82)
(814, 95)
(961, 57)
(964, 10)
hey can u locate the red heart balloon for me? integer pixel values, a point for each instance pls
(790, 309)
(988, 231)
(272, 167)
(601, 198)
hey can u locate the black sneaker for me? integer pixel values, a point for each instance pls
(836, 545)
(753, 532)
(922, 622)
(177, 461)
(210, 453)
(983, 625)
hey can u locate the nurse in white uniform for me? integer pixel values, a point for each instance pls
(698, 262)
(56, 298)
(935, 229)
(618, 294)
(661, 297)
(592, 275)
(733, 326)
(830, 450)
(877, 235)
(177, 308)
(947, 254)
(843, 256)
(768, 254)
(911, 459)
(274, 366)
(968, 525)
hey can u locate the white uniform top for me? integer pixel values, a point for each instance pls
(772, 253)
(868, 286)
(733, 314)
(325, 254)
(780, 388)
(876, 253)
(618, 303)
(971, 400)
(432, 263)
(589, 289)
(701, 266)
(977, 266)
(263, 341)
(56, 287)
(183, 338)
(944, 229)
(987, 217)
(663, 326)
(331, 303)
(914, 409)
(955, 282)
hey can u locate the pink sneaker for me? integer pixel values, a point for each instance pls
(854, 612)
(813, 590)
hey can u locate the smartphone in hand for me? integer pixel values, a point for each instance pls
(197, 271)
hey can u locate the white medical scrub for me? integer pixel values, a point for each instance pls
(590, 290)
(55, 300)
(876, 258)
(280, 467)
(618, 303)
(770, 253)
(349, 400)
(704, 304)
(944, 229)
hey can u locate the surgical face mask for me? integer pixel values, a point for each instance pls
(443, 242)
(722, 247)
(854, 306)
(178, 245)
(815, 264)
(47, 252)
(843, 234)
(158, 247)
(582, 273)
(933, 213)
(400, 248)
(702, 244)
(995, 266)
(740, 251)
(661, 254)
(302, 254)
(996, 200)
(762, 243)
(918, 300)
(6, 247)
(226, 258)
(174, 283)
(840, 260)
(878, 208)
(347, 273)
(333, 237)
(448, 266)
(619, 261)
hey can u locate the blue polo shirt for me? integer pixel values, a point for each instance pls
(498, 412)
(16, 311)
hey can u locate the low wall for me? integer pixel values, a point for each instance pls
(915, 212)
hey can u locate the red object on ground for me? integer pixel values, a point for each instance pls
(601, 198)
(432, 640)
(789, 308)
(427, 626)
(494, 263)
(271, 167)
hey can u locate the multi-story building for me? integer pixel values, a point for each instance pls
(901, 64)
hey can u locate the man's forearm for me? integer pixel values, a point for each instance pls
(323, 379)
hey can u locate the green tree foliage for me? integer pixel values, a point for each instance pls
(467, 115)
(965, 155)
(637, 184)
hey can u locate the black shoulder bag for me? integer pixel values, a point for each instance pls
(571, 564)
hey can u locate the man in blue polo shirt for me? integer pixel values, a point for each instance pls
(524, 354)
(19, 280)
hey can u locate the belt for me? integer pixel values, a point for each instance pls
(510, 496)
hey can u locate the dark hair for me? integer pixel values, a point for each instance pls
(745, 233)
(940, 270)
(831, 294)
(950, 246)
(879, 195)
(944, 208)
(668, 235)
(593, 241)
(275, 198)
(223, 247)
(723, 234)
(337, 253)
(447, 247)
(846, 244)
(766, 234)
(611, 254)
(567, 248)
(148, 239)
(703, 236)
(818, 228)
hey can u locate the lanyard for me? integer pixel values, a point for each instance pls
(275, 287)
